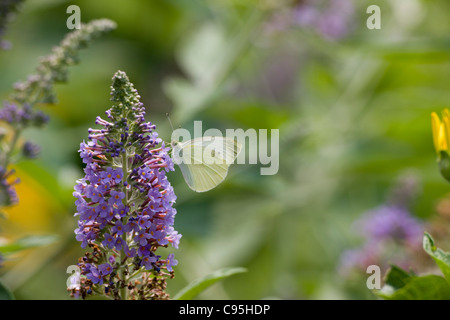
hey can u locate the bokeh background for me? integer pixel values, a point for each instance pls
(352, 106)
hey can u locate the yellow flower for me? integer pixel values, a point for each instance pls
(441, 131)
(441, 140)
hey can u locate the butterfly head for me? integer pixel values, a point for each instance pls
(175, 143)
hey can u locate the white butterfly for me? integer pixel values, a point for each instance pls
(204, 161)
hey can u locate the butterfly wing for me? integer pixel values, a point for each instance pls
(218, 149)
(204, 161)
(202, 177)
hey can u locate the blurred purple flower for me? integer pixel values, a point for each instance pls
(8, 195)
(332, 19)
(358, 258)
(5, 45)
(391, 233)
(30, 150)
(386, 230)
(390, 222)
(22, 117)
(18, 111)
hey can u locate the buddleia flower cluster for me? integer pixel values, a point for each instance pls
(19, 112)
(125, 204)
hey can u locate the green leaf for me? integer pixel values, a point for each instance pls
(441, 257)
(183, 93)
(202, 52)
(208, 58)
(397, 277)
(430, 287)
(26, 243)
(197, 286)
(5, 293)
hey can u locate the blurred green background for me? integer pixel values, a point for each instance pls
(353, 112)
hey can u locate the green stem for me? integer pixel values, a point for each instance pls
(11, 148)
(123, 291)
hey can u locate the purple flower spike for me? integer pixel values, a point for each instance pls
(125, 202)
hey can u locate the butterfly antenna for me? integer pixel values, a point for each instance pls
(168, 118)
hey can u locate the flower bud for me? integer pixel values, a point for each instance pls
(444, 164)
